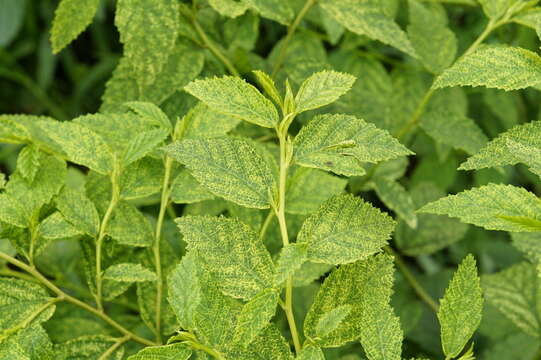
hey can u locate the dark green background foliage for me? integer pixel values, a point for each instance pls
(270, 179)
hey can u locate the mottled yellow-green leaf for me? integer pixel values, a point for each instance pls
(270, 344)
(129, 226)
(56, 227)
(228, 167)
(529, 18)
(185, 189)
(341, 143)
(22, 302)
(309, 188)
(129, 272)
(233, 253)
(176, 351)
(494, 207)
(71, 18)
(254, 317)
(80, 145)
(89, 347)
(268, 85)
(78, 210)
(277, 10)
(203, 122)
(501, 67)
(148, 30)
(235, 97)
(433, 41)
(13, 129)
(521, 143)
(311, 353)
(368, 18)
(515, 292)
(30, 343)
(321, 89)
(151, 112)
(345, 229)
(331, 320)
(28, 162)
(230, 8)
(12, 211)
(495, 9)
(147, 298)
(185, 291)
(292, 257)
(460, 308)
(397, 198)
(142, 144)
(141, 179)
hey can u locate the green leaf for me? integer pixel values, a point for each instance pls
(332, 319)
(142, 144)
(56, 227)
(89, 347)
(309, 188)
(78, 210)
(177, 351)
(345, 229)
(185, 189)
(70, 19)
(228, 167)
(368, 18)
(28, 162)
(292, 257)
(12, 212)
(501, 67)
(341, 143)
(141, 179)
(455, 130)
(460, 308)
(521, 143)
(495, 9)
(151, 112)
(234, 254)
(270, 344)
(310, 353)
(128, 272)
(235, 97)
(397, 199)
(185, 291)
(365, 289)
(277, 10)
(230, 8)
(80, 144)
(203, 122)
(255, 316)
(494, 207)
(267, 83)
(515, 292)
(11, 18)
(148, 30)
(22, 303)
(30, 343)
(433, 41)
(321, 89)
(129, 226)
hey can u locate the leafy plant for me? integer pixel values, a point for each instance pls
(227, 202)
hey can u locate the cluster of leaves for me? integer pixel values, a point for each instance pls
(231, 203)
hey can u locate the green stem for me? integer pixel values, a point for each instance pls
(265, 225)
(290, 32)
(101, 236)
(280, 214)
(114, 347)
(419, 290)
(214, 48)
(65, 297)
(11, 273)
(156, 248)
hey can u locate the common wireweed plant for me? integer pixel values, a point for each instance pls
(223, 205)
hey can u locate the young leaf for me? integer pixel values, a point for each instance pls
(148, 31)
(128, 272)
(501, 67)
(291, 259)
(129, 226)
(340, 143)
(235, 97)
(79, 211)
(269, 86)
(255, 316)
(433, 41)
(515, 292)
(142, 144)
(228, 167)
(81, 145)
(460, 308)
(332, 319)
(185, 291)
(522, 143)
(28, 162)
(368, 18)
(234, 254)
(23, 302)
(321, 89)
(71, 18)
(176, 351)
(494, 207)
(345, 229)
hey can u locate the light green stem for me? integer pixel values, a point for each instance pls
(266, 224)
(290, 32)
(156, 248)
(114, 347)
(65, 297)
